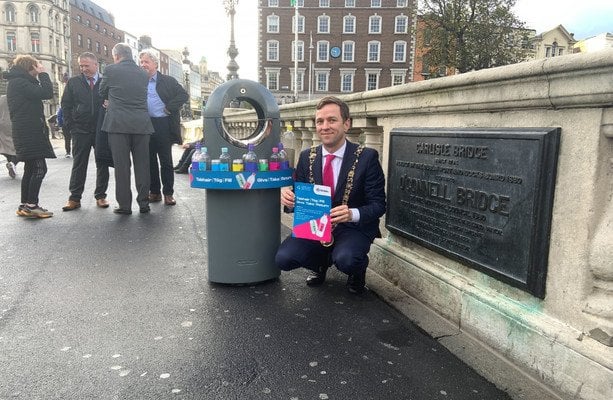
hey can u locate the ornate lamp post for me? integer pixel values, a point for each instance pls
(187, 109)
(230, 6)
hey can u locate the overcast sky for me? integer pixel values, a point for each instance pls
(204, 27)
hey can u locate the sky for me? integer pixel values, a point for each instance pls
(204, 27)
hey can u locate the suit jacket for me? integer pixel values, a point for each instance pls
(173, 96)
(125, 86)
(367, 193)
(80, 106)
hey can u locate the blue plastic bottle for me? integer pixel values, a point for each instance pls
(250, 159)
(196, 158)
(225, 161)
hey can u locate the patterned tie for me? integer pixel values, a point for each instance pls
(329, 173)
(91, 83)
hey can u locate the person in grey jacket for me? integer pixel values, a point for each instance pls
(28, 86)
(124, 91)
(7, 149)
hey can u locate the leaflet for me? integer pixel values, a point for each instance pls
(312, 212)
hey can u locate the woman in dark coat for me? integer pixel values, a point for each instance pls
(25, 95)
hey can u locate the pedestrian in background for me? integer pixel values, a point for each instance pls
(81, 105)
(65, 132)
(28, 86)
(185, 161)
(165, 97)
(7, 149)
(127, 122)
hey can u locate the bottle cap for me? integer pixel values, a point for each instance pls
(275, 149)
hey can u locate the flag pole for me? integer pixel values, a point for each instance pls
(296, 50)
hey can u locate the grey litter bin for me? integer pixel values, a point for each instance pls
(242, 226)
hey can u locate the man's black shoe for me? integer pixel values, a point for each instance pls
(180, 171)
(123, 211)
(356, 283)
(145, 209)
(317, 278)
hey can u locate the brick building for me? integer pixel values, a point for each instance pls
(344, 46)
(92, 29)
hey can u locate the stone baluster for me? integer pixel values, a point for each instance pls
(600, 255)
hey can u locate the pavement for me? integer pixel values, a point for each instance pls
(95, 305)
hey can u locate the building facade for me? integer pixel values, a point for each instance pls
(41, 29)
(342, 46)
(553, 43)
(93, 30)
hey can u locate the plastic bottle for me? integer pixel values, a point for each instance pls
(273, 162)
(225, 161)
(250, 159)
(196, 158)
(283, 160)
(238, 165)
(204, 163)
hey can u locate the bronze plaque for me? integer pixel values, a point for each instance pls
(481, 196)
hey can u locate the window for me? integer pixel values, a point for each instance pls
(323, 51)
(9, 13)
(33, 14)
(373, 51)
(88, 23)
(106, 50)
(272, 24)
(11, 41)
(372, 80)
(321, 81)
(323, 24)
(349, 24)
(98, 47)
(79, 19)
(35, 42)
(400, 51)
(374, 24)
(273, 3)
(348, 51)
(272, 78)
(347, 80)
(349, 3)
(402, 3)
(300, 78)
(79, 40)
(300, 50)
(324, 3)
(402, 24)
(89, 44)
(272, 50)
(398, 76)
(97, 27)
(300, 24)
(375, 3)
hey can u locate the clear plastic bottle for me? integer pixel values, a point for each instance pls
(204, 163)
(225, 162)
(196, 158)
(250, 159)
(283, 160)
(274, 162)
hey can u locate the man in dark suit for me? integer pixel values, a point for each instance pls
(357, 204)
(164, 98)
(81, 105)
(124, 86)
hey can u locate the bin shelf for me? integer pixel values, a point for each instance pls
(229, 180)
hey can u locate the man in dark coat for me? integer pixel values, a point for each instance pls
(25, 95)
(124, 85)
(81, 105)
(357, 185)
(164, 98)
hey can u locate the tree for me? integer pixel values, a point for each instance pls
(469, 35)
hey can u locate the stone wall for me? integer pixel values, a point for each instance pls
(563, 341)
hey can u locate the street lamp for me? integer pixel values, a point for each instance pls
(230, 6)
(187, 108)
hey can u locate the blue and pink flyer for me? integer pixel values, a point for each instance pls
(312, 212)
